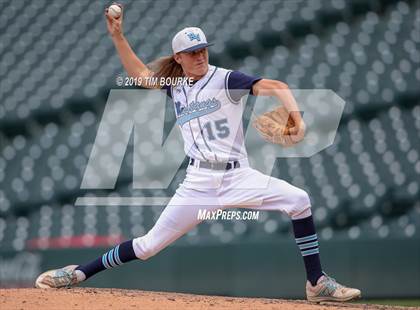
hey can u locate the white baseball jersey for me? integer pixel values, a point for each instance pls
(209, 119)
(211, 125)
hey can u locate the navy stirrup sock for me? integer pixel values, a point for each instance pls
(307, 241)
(119, 255)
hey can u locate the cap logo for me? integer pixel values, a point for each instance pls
(192, 36)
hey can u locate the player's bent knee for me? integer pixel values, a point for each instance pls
(302, 199)
(143, 248)
(301, 204)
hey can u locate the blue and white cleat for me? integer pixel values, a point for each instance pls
(327, 289)
(56, 278)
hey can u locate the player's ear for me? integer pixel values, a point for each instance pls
(177, 58)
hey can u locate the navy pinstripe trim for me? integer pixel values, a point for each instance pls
(189, 124)
(172, 97)
(205, 84)
(198, 118)
(204, 139)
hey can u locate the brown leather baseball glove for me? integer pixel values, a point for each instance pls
(278, 127)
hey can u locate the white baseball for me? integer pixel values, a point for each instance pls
(114, 11)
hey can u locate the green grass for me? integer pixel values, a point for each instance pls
(392, 302)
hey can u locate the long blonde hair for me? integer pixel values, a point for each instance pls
(166, 67)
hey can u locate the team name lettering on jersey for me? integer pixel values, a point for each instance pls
(196, 109)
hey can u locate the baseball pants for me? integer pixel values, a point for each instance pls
(210, 190)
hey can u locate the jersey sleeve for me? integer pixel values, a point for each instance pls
(168, 90)
(240, 84)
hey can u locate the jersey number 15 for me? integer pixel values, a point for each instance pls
(221, 129)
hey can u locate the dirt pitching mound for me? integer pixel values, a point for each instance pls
(99, 299)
